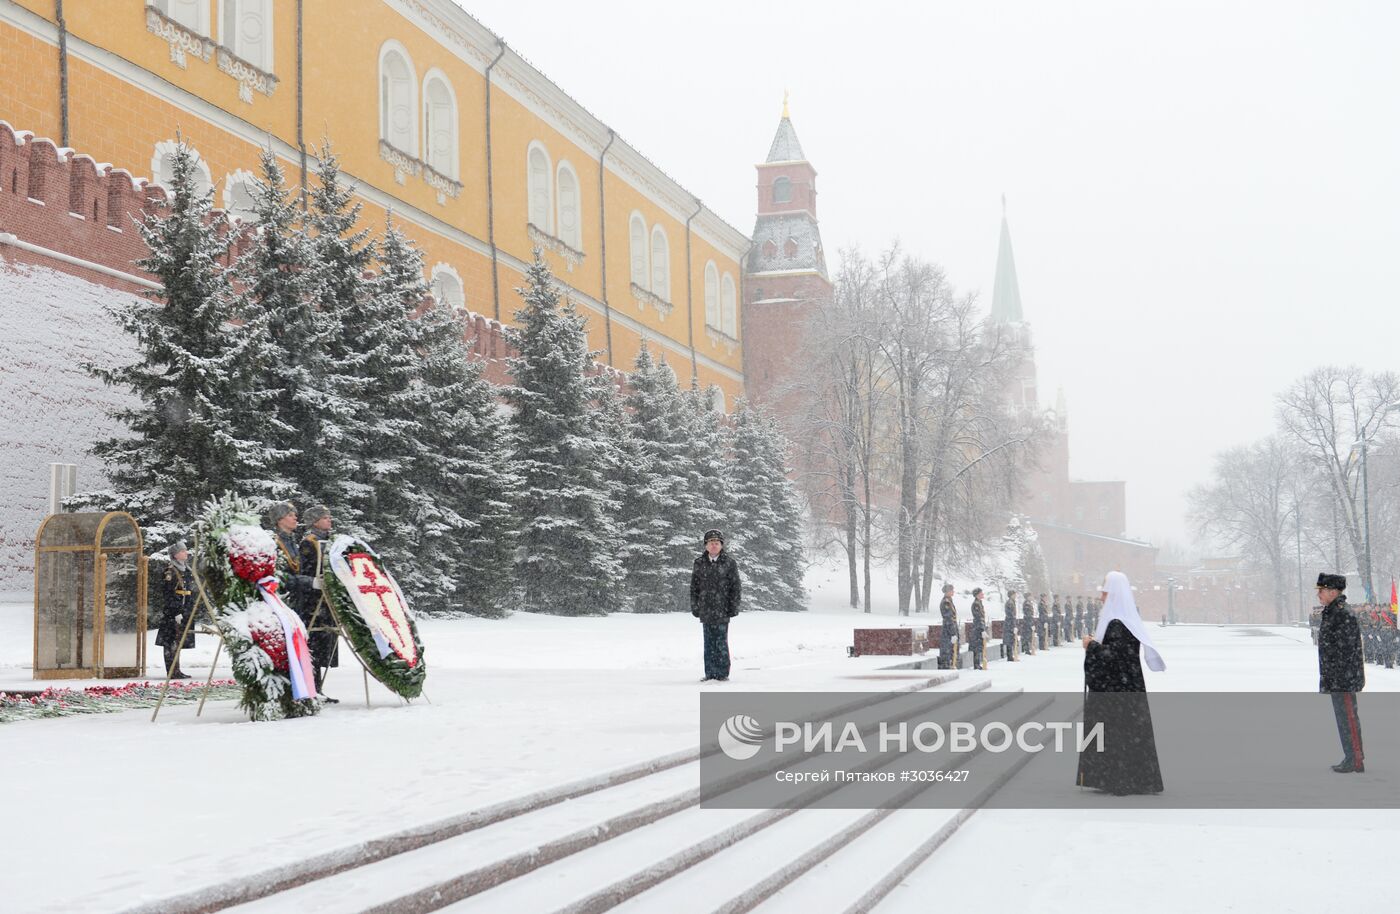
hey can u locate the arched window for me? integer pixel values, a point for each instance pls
(163, 168)
(729, 307)
(641, 260)
(240, 189)
(540, 203)
(245, 28)
(770, 249)
(782, 190)
(790, 248)
(440, 124)
(447, 287)
(711, 295)
(570, 227)
(192, 14)
(660, 264)
(397, 104)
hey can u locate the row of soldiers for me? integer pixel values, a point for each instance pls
(1380, 641)
(1040, 625)
(302, 560)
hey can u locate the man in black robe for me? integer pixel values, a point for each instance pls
(1341, 669)
(948, 634)
(1116, 696)
(977, 636)
(1010, 635)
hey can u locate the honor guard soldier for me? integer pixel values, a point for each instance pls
(177, 603)
(1078, 618)
(1010, 635)
(977, 638)
(1057, 621)
(1028, 625)
(323, 638)
(948, 635)
(1042, 623)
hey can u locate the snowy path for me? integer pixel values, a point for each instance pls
(528, 704)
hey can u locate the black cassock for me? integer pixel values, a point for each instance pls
(1117, 698)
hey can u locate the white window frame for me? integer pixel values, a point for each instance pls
(786, 182)
(573, 239)
(264, 9)
(447, 270)
(385, 104)
(729, 306)
(167, 148)
(640, 250)
(660, 265)
(453, 165)
(711, 295)
(537, 205)
(240, 178)
(201, 10)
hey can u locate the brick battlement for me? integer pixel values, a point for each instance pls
(72, 205)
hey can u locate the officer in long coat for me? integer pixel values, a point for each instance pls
(948, 634)
(323, 638)
(1042, 622)
(1341, 670)
(977, 637)
(715, 592)
(1010, 635)
(299, 589)
(1028, 625)
(177, 603)
(1079, 618)
(1057, 622)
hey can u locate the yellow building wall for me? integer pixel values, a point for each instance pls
(118, 121)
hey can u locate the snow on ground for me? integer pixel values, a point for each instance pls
(110, 810)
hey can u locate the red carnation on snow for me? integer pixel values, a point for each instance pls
(266, 632)
(252, 553)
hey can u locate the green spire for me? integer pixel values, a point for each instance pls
(1006, 291)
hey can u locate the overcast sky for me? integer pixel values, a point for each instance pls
(1203, 197)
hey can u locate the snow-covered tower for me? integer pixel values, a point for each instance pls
(785, 272)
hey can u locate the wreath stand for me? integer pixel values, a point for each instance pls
(214, 629)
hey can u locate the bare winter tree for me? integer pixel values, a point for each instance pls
(842, 388)
(1328, 412)
(1250, 506)
(947, 379)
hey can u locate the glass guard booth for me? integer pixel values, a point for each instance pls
(89, 597)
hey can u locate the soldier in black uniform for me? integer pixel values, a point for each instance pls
(1093, 609)
(1078, 618)
(977, 637)
(948, 636)
(1042, 623)
(1028, 625)
(1341, 671)
(1057, 621)
(177, 602)
(1010, 635)
(1390, 640)
(323, 638)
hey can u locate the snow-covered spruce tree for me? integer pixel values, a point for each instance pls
(382, 336)
(467, 528)
(201, 426)
(277, 275)
(659, 511)
(344, 256)
(623, 468)
(706, 459)
(567, 562)
(766, 528)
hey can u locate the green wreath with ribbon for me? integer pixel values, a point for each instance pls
(377, 619)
